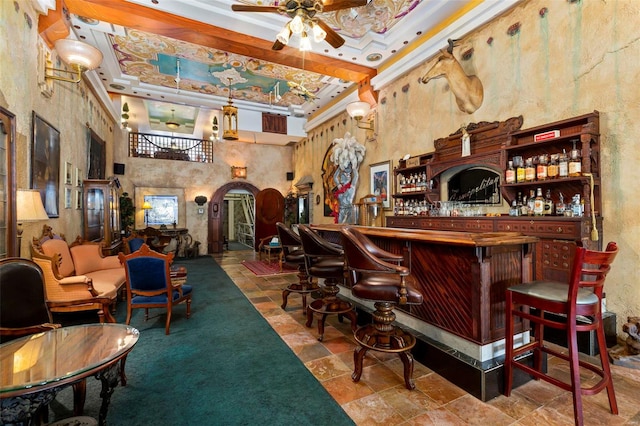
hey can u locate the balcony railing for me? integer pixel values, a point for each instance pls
(170, 148)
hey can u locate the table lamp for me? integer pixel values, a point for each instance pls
(29, 208)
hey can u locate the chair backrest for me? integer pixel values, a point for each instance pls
(133, 242)
(316, 246)
(148, 272)
(289, 240)
(358, 254)
(590, 268)
(22, 298)
(373, 248)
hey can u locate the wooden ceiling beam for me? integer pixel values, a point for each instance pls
(133, 16)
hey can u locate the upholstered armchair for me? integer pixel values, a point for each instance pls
(150, 284)
(77, 277)
(23, 310)
(133, 242)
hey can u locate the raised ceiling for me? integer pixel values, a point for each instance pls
(185, 57)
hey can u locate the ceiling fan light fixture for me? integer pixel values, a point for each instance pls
(318, 33)
(283, 36)
(305, 43)
(297, 24)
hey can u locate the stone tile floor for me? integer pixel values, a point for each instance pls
(380, 397)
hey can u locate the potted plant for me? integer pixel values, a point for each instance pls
(127, 211)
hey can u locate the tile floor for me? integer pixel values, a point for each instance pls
(380, 397)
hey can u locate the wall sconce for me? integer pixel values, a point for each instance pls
(360, 110)
(79, 55)
(238, 172)
(29, 208)
(146, 207)
(200, 200)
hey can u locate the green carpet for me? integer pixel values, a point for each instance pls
(223, 366)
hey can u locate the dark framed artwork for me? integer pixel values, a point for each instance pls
(45, 163)
(97, 156)
(379, 181)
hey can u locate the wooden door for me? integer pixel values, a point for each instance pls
(269, 210)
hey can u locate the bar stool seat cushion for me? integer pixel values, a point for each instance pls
(378, 287)
(328, 267)
(295, 257)
(554, 292)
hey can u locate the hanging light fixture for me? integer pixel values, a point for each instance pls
(305, 43)
(172, 124)
(230, 119)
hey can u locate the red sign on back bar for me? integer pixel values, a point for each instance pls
(546, 135)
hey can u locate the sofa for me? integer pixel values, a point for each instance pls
(77, 276)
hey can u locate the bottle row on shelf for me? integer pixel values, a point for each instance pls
(414, 182)
(544, 166)
(537, 205)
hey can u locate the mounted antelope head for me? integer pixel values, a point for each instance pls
(466, 88)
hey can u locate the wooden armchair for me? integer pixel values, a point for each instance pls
(133, 242)
(77, 277)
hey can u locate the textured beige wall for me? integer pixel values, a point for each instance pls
(70, 109)
(579, 57)
(72, 106)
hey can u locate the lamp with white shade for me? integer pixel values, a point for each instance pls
(80, 56)
(29, 208)
(359, 110)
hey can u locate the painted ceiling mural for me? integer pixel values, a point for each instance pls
(158, 60)
(378, 16)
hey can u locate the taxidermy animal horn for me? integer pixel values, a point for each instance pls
(466, 88)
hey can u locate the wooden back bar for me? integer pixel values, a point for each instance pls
(461, 275)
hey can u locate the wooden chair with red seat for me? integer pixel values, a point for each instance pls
(292, 254)
(150, 284)
(387, 285)
(325, 260)
(582, 296)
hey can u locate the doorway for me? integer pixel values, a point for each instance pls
(238, 229)
(217, 212)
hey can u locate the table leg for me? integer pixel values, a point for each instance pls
(109, 378)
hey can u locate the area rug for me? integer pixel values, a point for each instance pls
(223, 366)
(261, 268)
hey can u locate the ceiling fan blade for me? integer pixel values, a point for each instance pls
(248, 8)
(277, 45)
(333, 38)
(331, 5)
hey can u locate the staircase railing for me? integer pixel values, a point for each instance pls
(170, 148)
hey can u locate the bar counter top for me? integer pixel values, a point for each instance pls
(473, 239)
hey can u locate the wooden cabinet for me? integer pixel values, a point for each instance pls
(101, 208)
(8, 244)
(493, 145)
(413, 188)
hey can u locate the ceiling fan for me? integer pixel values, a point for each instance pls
(303, 18)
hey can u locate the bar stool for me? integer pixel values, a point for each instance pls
(294, 255)
(386, 284)
(581, 296)
(325, 260)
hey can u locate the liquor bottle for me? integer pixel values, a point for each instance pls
(531, 202)
(552, 170)
(560, 205)
(543, 167)
(524, 208)
(563, 165)
(514, 211)
(575, 162)
(538, 203)
(548, 204)
(529, 170)
(518, 163)
(510, 174)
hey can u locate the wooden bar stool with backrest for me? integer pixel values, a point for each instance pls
(582, 296)
(294, 255)
(325, 260)
(386, 284)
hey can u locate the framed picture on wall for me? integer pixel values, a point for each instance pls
(78, 199)
(380, 182)
(68, 173)
(45, 163)
(67, 198)
(78, 177)
(97, 156)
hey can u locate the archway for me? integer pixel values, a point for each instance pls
(215, 239)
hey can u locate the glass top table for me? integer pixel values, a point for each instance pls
(44, 363)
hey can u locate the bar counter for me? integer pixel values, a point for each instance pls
(462, 277)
